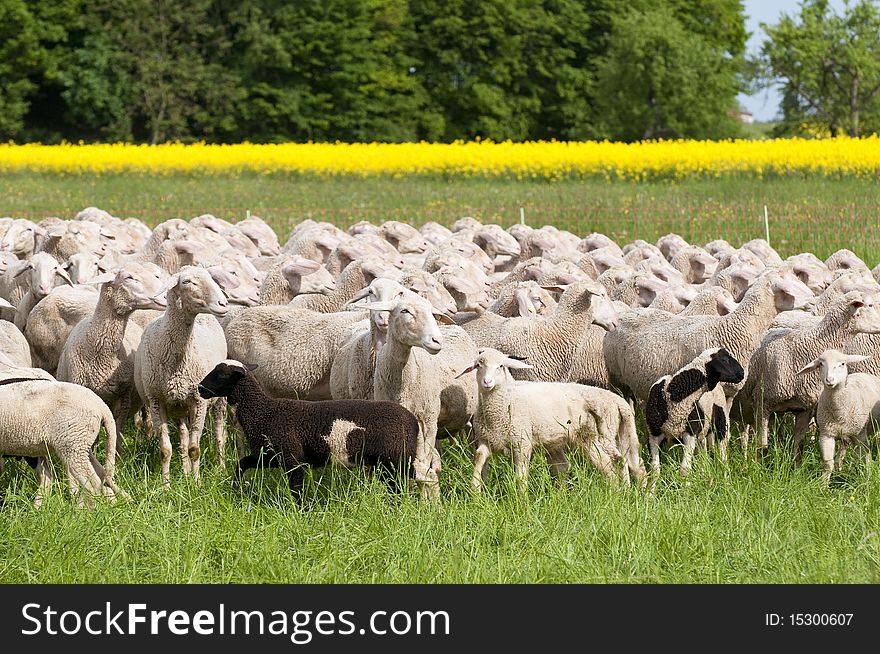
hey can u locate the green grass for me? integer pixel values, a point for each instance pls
(813, 214)
(746, 521)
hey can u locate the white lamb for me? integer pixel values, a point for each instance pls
(518, 417)
(848, 408)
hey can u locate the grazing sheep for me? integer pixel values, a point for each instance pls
(346, 432)
(518, 417)
(40, 416)
(176, 351)
(848, 408)
(690, 406)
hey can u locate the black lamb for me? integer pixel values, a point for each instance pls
(294, 433)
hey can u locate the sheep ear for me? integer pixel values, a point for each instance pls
(462, 285)
(103, 279)
(223, 278)
(512, 362)
(251, 366)
(56, 231)
(470, 368)
(301, 267)
(856, 358)
(812, 365)
(360, 295)
(526, 308)
(170, 283)
(419, 286)
(5, 304)
(24, 269)
(185, 247)
(107, 234)
(443, 319)
(63, 275)
(557, 288)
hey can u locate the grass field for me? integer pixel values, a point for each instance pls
(746, 521)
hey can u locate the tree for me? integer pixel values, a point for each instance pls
(660, 80)
(829, 66)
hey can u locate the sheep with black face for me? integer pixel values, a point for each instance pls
(690, 405)
(294, 433)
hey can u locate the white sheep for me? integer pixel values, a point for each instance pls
(848, 408)
(518, 417)
(176, 351)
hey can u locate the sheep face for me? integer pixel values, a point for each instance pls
(199, 292)
(722, 367)
(19, 238)
(221, 381)
(137, 289)
(790, 293)
(492, 369)
(412, 322)
(380, 290)
(866, 318)
(832, 365)
(44, 270)
(84, 266)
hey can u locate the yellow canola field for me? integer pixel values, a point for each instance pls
(840, 156)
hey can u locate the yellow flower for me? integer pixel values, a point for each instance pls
(838, 156)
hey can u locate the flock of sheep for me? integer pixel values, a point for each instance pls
(361, 347)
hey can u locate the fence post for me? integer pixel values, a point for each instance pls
(766, 226)
(247, 213)
(522, 216)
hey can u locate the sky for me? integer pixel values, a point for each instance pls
(764, 105)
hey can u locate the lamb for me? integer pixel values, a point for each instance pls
(346, 432)
(848, 408)
(176, 351)
(39, 416)
(690, 406)
(549, 342)
(518, 417)
(99, 353)
(417, 368)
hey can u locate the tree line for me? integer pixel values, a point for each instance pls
(408, 70)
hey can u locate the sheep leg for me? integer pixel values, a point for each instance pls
(690, 443)
(654, 448)
(481, 458)
(427, 464)
(522, 456)
(110, 488)
(197, 425)
(723, 442)
(744, 438)
(295, 479)
(120, 415)
(160, 418)
(559, 465)
(764, 433)
(183, 430)
(43, 470)
(218, 412)
(826, 448)
(838, 459)
(602, 461)
(801, 424)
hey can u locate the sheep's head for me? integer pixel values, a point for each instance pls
(221, 381)
(722, 367)
(430, 288)
(833, 367)
(198, 290)
(20, 238)
(44, 272)
(492, 366)
(134, 287)
(379, 290)
(413, 322)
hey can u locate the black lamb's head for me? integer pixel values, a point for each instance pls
(722, 367)
(221, 381)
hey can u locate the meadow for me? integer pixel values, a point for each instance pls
(747, 521)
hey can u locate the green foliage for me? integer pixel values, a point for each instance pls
(829, 65)
(659, 80)
(362, 70)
